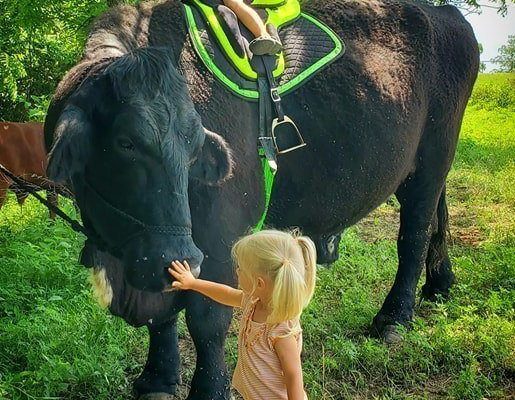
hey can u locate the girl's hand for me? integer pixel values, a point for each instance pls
(184, 279)
(218, 292)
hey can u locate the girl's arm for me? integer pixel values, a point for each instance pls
(220, 293)
(288, 353)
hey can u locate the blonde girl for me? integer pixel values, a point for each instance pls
(276, 274)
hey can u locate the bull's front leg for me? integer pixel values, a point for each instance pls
(208, 323)
(160, 377)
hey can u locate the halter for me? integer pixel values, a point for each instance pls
(139, 227)
(133, 225)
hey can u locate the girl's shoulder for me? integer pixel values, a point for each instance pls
(285, 329)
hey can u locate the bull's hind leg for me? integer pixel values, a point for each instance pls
(418, 197)
(160, 377)
(439, 275)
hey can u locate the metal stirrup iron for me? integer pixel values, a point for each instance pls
(281, 123)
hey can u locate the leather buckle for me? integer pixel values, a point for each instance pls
(274, 94)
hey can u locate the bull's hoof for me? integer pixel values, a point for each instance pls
(438, 290)
(391, 335)
(151, 387)
(439, 282)
(388, 330)
(156, 396)
(433, 294)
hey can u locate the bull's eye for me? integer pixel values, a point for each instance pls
(125, 144)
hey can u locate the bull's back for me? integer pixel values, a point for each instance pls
(369, 110)
(22, 148)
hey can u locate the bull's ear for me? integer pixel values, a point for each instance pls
(72, 144)
(214, 163)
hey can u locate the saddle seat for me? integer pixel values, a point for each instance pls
(221, 42)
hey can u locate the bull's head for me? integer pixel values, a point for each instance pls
(128, 141)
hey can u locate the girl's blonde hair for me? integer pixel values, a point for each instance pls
(288, 260)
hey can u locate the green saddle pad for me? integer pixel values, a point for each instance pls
(308, 46)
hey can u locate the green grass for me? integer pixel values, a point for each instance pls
(494, 91)
(55, 342)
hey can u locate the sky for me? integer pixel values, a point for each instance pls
(492, 31)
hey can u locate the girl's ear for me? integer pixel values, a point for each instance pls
(260, 283)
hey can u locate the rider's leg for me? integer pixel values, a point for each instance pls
(264, 43)
(248, 16)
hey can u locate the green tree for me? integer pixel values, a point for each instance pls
(482, 65)
(475, 6)
(39, 41)
(506, 57)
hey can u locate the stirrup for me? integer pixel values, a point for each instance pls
(291, 141)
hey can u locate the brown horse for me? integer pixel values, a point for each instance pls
(22, 151)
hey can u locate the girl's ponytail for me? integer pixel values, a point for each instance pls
(288, 298)
(294, 283)
(310, 261)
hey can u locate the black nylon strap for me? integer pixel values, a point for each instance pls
(269, 65)
(263, 89)
(265, 119)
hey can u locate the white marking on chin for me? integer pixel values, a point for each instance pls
(102, 290)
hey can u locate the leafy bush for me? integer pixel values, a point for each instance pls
(39, 41)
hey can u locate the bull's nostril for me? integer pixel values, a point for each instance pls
(195, 271)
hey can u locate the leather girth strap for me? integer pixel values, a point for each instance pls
(267, 90)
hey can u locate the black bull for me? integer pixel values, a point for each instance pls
(126, 128)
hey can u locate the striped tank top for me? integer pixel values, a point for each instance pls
(258, 374)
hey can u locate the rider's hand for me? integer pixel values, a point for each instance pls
(184, 279)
